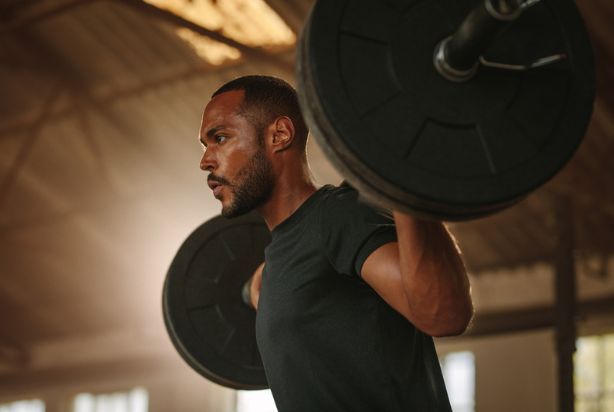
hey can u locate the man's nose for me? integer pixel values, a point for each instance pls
(207, 162)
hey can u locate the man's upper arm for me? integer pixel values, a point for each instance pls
(361, 241)
(382, 271)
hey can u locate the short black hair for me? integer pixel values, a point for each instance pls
(266, 98)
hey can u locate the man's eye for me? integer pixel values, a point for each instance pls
(220, 138)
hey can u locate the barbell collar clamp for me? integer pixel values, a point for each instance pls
(446, 70)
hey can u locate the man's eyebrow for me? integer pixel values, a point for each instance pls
(210, 133)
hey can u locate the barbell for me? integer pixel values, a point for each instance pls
(440, 108)
(444, 109)
(205, 315)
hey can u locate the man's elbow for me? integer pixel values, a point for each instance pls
(449, 330)
(452, 326)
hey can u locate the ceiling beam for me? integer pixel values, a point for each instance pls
(513, 264)
(588, 201)
(126, 371)
(12, 357)
(28, 142)
(539, 317)
(510, 264)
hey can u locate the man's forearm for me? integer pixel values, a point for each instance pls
(434, 277)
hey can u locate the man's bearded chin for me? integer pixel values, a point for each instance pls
(252, 187)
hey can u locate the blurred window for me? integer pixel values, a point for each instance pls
(135, 400)
(255, 401)
(34, 405)
(459, 374)
(594, 374)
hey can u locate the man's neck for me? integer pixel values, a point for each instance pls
(286, 198)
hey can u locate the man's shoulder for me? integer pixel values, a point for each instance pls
(341, 193)
(344, 201)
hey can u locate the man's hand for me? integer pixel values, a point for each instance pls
(254, 286)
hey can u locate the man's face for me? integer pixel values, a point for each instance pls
(240, 174)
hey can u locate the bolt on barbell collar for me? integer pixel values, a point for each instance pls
(504, 10)
(457, 57)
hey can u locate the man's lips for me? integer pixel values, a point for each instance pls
(217, 189)
(215, 185)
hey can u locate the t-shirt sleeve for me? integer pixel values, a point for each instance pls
(351, 230)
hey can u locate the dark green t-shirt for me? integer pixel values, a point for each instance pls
(328, 341)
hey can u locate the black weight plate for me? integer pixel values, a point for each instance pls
(205, 316)
(412, 140)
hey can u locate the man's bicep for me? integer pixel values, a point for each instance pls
(382, 271)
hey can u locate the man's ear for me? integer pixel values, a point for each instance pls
(281, 133)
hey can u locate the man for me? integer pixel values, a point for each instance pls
(347, 296)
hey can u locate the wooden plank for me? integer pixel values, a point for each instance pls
(565, 302)
(538, 317)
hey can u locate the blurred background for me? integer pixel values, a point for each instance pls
(100, 104)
